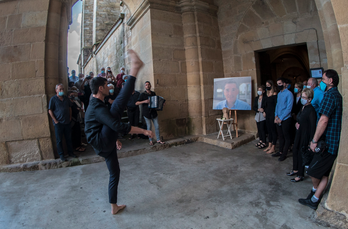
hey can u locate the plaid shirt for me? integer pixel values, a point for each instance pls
(331, 106)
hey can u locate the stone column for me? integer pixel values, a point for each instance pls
(203, 62)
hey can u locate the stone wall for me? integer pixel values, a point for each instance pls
(86, 29)
(249, 26)
(24, 125)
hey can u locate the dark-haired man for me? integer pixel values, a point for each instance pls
(231, 92)
(282, 113)
(102, 126)
(328, 128)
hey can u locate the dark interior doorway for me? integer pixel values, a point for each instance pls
(290, 62)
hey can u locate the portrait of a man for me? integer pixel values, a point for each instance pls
(228, 94)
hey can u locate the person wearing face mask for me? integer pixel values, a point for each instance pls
(119, 78)
(79, 83)
(73, 78)
(85, 87)
(75, 121)
(260, 116)
(111, 97)
(305, 128)
(329, 128)
(282, 118)
(102, 73)
(296, 107)
(305, 83)
(318, 94)
(270, 105)
(59, 109)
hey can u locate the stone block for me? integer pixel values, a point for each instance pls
(22, 70)
(205, 30)
(275, 29)
(178, 93)
(165, 67)
(166, 16)
(211, 54)
(6, 108)
(337, 199)
(195, 126)
(6, 37)
(165, 80)
(14, 21)
(46, 148)
(24, 87)
(289, 39)
(266, 43)
(263, 32)
(207, 41)
(177, 30)
(191, 53)
(28, 106)
(237, 63)
(340, 8)
(3, 21)
(37, 51)
(167, 40)
(33, 5)
(289, 27)
(278, 41)
(23, 151)
(194, 92)
(191, 41)
(193, 66)
(305, 7)
(29, 35)
(164, 92)
(161, 27)
(188, 18)
(263, 9)
(170, 110)
(249, 61)
(290, 6)
(242, 29)
(278, 7)
(179, 54)
(203, 18)
(183, 67)
(301, 36)
(40, 68)
(4, 160)
(251, 20)
(189, 29)
(10, 130)
(8, 8)
(5, 72)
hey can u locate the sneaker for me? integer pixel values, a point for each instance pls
(277, 154)
(310, 195)
(309, 203)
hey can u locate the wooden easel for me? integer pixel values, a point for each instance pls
(235, 123)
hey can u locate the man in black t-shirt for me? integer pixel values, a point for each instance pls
(148, 113)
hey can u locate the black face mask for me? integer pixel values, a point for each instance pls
(268, 88)
(280, 87)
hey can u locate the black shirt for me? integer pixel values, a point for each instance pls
(112, 97)
(270, 105)
(147, 112)
(132, 100)
(96, 117)
(60, 109)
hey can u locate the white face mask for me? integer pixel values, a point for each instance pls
(259, 92)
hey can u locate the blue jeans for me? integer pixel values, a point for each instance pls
(155, 123)
(60, 130)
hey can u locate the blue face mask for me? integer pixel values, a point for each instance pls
(322, 86)
(103, 72)
(295, 90)
(304, 101)
(309, 87)
(111, 91)
(61, 93)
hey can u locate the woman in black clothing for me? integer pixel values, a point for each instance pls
(260, 116)
(296, 107)
(305, 129)
(270, 105)
(75, 122)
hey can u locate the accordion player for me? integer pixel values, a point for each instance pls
(156, 102)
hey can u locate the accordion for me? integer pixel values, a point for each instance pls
(156, 102)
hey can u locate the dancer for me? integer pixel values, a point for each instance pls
(102, 126)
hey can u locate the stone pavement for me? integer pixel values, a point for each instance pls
(189, 186)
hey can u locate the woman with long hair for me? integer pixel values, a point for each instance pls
(270, 105)
(260, 116)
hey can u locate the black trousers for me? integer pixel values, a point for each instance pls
(76, 135)
(272, 129)
(133, 116)
(109, 138)
(284, 136)
(261, 128)
(297, 160)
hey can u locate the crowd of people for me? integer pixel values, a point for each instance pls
(306, 121)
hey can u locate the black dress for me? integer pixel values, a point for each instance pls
(269, 107)
(307, 118)
(296, 107)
